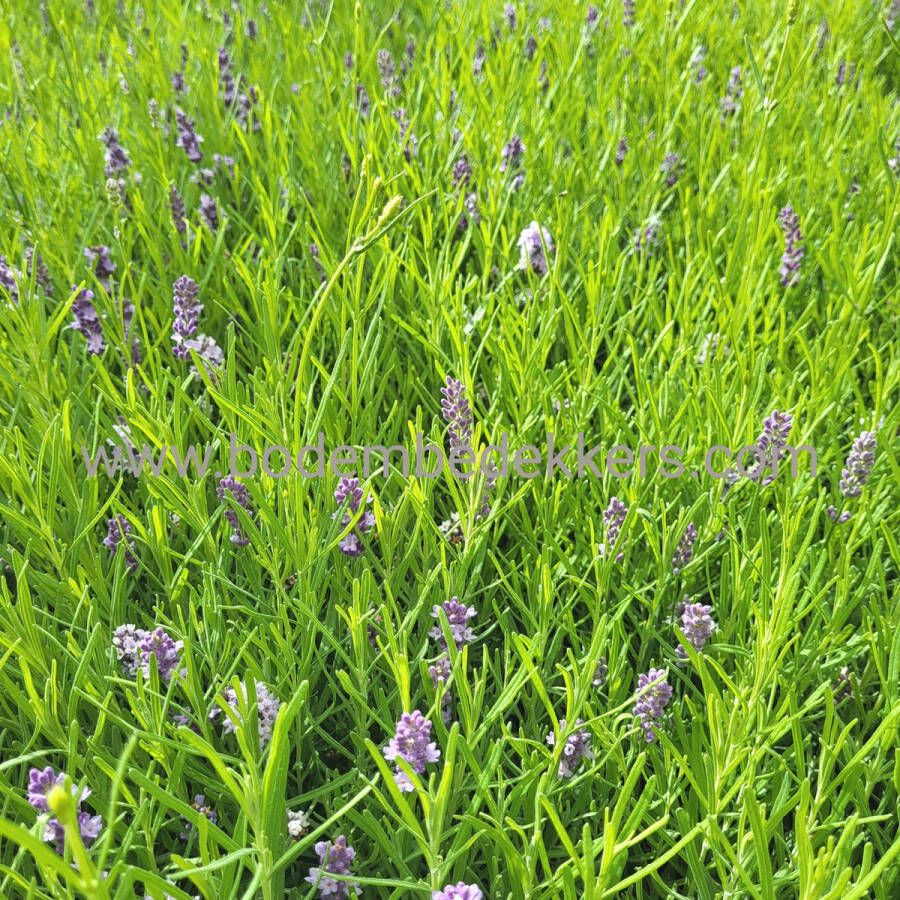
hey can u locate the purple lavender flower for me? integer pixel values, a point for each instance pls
(167, 652)
(593, 17)
(267, 706)
(684, 552)
(188, 139)
(771, 444)
(458, 891)
(697, 59)
(135, 646)
(793, 249)
(671, 167)
(362, 100)
(472, 214)
(858, 466)
(349, 491)
(187, 314)
(335, 858)
(209, 213)
(648, 237)
(176, 205)
(251, 30)
(832, 513)
(388, 72)
(576, 747)
(314, 253)
(8, 280)
(104, 267)
(458, 615)
(628, 13)
(613, 519)
(34, 264)
(600, 672)
(87, 321)
(178, 82)
(440, 670)
(226, 79)
(230, 485)
(530, 47)
(125, 641)
(199, 805)
(413, 745)
(40, 783)
(733, 93)
(478, 60)
(117, 159)
(119, 531)
(211, 356)
(512, 154)
(652, 697)
(535, 244)
(457, 414)
(621, 151)
(462, 171)
(697, 625)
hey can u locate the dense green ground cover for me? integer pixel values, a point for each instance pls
(774, 770)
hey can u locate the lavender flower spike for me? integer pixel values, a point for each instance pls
(159, 644)
(697, 625)
(8, 280)
(684, 552)
(458, 891)
(230, 485)
(119, 530)
(653, 695)
(104, 267)
(859, 465)
(188, 139)
(793, 249)
(535, 244)
(40, 783)
(267, 706)
(187, 314)
(457, 414)
(413, 745)
(577, 747)
(349, 491)
(771, 443)
(458, 615)
(613, 519)
(87, 321)
(335, 858)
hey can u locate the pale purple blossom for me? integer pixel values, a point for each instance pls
(535, 246)
(119, 532)
(230, 485)
(87, 321)
(671, 168)
(697, 625)
(613, 519)
(104, 267)
(187, 314)
(628, 13)
(40, 783)
(187, 138)
(621, 151)
(858, 466)
(793, 247)
(267, 706)
(350, 492)
(457, 414)
(458, 616)
(772, 443)
(684, 552)
(335, 858)
(176, 206)
(411, 743)
(652, 696)
(458, 891)
(576, 748)
(8, 280)
(209, 212)
(116, 158)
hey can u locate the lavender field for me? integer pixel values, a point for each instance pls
(449, 450)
